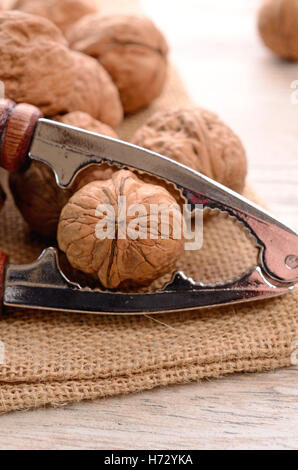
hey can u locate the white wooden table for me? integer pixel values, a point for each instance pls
(226, 69)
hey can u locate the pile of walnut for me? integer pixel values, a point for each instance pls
(103, 65)
(37, 67)
(88, 70)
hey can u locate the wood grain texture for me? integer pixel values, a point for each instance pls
(17, 135)
(2, 197)
(226, 69)
(239, 412)
(6, 107)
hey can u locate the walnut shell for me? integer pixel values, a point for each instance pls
(63, 13)
(2, 197)
(37, 67)
(278, 27)
(198, 139)
(131, 49)
(85, 121)
(119, 261)
(35, 191)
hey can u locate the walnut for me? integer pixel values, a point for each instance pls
(118, 261)
(2, 197)
(131, 49)
(63, 13)
(278, 27)
(198, 139)
(35, 191)
(85, 121)
(37, 67)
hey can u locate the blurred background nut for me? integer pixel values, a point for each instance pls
(61, 12)
(35, 190)
(7, 4)
(37, 67)
(118, 262)
(198, 139)
(278, 27)
(131, 49)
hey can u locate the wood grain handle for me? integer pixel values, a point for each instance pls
(3, 261)
(2, 197)
(17, 125)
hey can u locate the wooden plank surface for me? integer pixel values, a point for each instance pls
(243, 411)
(227, 70)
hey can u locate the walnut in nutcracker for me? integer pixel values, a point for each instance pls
(198, 139)
(37, 67)
(131, 48)
(35, 190)
(91, 223)
(63, 13)
(278, 27)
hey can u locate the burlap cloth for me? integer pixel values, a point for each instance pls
(54, 358)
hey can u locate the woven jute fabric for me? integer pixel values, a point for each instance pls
(56, 358)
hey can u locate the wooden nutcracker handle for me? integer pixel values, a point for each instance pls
(3, 261)
(17, 125)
